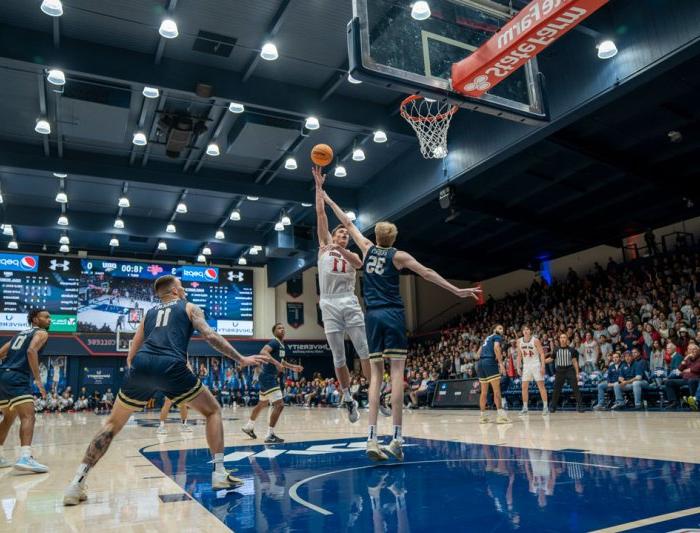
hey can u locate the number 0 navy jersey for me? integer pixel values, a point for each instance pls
(380, 283)
(17, 355)
(167, 330)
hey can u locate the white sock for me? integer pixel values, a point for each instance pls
(162, 423)
(25, 451)
(346, 396)
(250, 424)
(483, 413)
(397, 433)
(219, 463)
(544, 403)
(270, 431)
(501, 412)
(372, 433)
(81, 474)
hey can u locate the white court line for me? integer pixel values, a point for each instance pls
(295, 496)
(649, 521)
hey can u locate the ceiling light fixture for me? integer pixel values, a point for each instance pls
(7, 229)
(206, 250)
(340, 172)
(60, 175)
(64, 239)
(64, 249)
(139, 139)
(113, 242)
(162, 246)
(242, 261)
(312, 123)
(380, 136)
(290, 163)
(1, 198)
(42, 126)
(269, 52)
(12, 245)
(150, 92)
(124, 202)
(170, 228)
(201, 259)
(358, 154)
(181, 208)
(235, 107)
(351, 215)
(53, 8)
(253, 198)
(56, 77)
(306, 204)
(285, 220)
(119, 223)
(62, 220)
(168, 29)
(420, 10)
(219, 234)
(279, 226)
(213, 150)
(62, 197)
(607, 49)
(253, 251)
(235, 215)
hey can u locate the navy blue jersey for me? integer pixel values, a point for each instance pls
(380, 283)
(17, 355)
(487, 349)
(167, 330)
(269, 372)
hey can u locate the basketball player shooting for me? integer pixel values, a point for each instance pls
(340, 307)
(157, 361)
(385, 321)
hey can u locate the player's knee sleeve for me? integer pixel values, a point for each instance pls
(358, 336)
(336, 341)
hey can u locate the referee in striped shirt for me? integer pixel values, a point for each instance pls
(566, 360)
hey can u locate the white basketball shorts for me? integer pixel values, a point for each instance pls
(341, 312)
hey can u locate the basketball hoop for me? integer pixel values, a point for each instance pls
(430, 119)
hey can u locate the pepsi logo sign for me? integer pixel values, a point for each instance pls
(210, 274)
(26, 263)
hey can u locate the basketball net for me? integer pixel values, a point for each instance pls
(430, 119)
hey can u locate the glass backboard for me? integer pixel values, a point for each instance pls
(390, 48)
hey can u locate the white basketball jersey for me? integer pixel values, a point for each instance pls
(335, 275)
(528, 350)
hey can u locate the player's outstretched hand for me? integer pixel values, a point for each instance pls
(254, 360)
(472, 292)
(319, 176)
(42, 391)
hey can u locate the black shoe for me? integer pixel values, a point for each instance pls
(273, 439)
(249, 432)
(552, 409)
(581, 409)
(672, 405)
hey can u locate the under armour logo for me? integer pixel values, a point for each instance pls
(480, 83)
(235, 276)
(59, 265)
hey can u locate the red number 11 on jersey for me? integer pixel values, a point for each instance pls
(342, 262)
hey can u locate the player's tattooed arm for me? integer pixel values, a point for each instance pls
(38, 341)
(362, 242)
(4, 350)
(98, 447)
(217, 342)
(324, 236)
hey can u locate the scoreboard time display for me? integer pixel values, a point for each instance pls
(96, 295)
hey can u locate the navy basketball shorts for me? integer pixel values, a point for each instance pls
(270, 390)
(151, 373)
(15, 388)
(487, 370)
(386, 333)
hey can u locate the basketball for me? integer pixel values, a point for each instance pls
(322, 155)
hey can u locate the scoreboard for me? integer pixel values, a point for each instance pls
(30, 281)
(114, 295)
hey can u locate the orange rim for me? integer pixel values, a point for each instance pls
(405, 114)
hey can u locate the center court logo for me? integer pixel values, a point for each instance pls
(23, 263)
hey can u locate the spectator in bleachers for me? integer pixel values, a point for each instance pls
(611, 379)
(633, 377)
(689, 377)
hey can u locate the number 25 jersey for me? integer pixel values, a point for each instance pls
(380, 282)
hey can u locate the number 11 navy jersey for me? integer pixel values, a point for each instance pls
(167, 330)
(380, 282)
